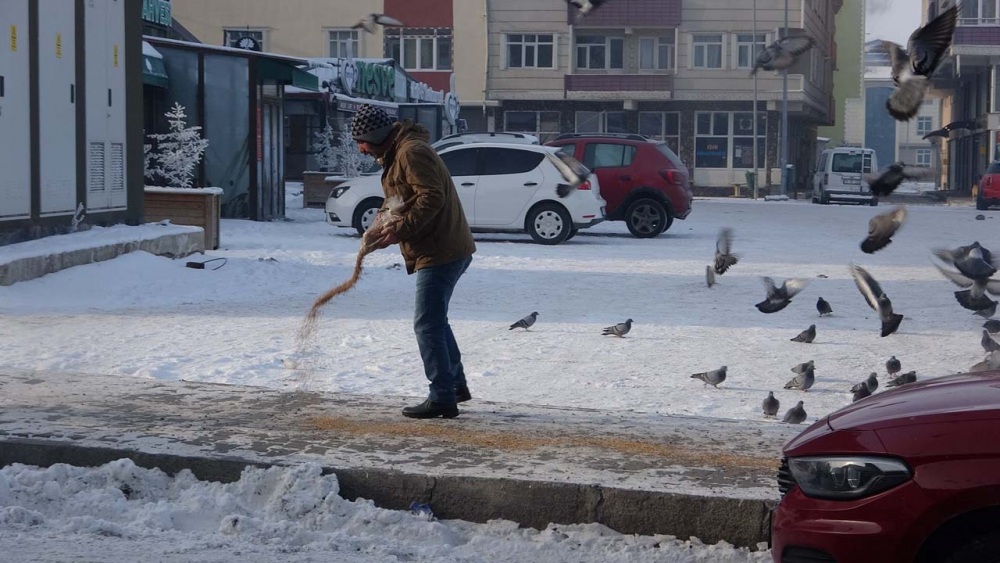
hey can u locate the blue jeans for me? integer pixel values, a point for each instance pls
(438, 349)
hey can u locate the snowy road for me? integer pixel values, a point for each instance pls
(145, 316)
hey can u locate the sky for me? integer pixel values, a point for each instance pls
(894, 20)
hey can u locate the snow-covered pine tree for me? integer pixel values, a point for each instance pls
(352, 162)
(327, 155)
(177, 152)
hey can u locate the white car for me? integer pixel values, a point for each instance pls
(503, 187)
(840, 176)
(484, 137)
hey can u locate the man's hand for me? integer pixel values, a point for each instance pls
(384, 238)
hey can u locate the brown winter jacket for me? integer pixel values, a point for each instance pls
(434, 230)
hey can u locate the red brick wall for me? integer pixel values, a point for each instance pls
(632, 13)
(436, 80)
(422, 13)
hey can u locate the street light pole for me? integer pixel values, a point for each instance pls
(784, 116)
(753, 60)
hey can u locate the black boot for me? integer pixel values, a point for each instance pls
(462, 394)
(430, 409)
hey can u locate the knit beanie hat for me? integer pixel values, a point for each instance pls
(371, 124)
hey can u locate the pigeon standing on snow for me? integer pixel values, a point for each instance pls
(860, 392)
(779, 297)
(823, 307)
(713, 378)
(992, 327)
(782, 54)
(771, 405)
(802, 381)
(369, 22)
(724, 257)
(572, 171)
(906, 378)
(876, 299)
(872, 382)
(890, 177)
(807, 335)
(619, 330)
(795, 415)
(893, 366)
(912, 68)
(709, 276)
(526, 322)
(988, 343)
(882, 228)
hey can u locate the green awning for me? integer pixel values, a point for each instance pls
(287, 74)
(154, 72)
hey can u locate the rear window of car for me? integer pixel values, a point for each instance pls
(510, 161)
(846, 163)
(671, 155)
(993, 168)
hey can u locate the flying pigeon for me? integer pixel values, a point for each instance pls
(881, 229)
(585, 7)
(872, 382)
(795, 415)
(991, 362)
(877, 300)
(988, 343)
(571, 170)
(802, 381)
(771, 405)
(807, 335)
(724, 257)
(978, 305)
(801, 368)
(779, 297)
(860, 392)
(619, 330)
(987, 312)
(992, 327)
(947, 129)
(974, 298)
(973, 261)
(913, 67)
(908, 377)
(782, 54)
(526, 322)
(893, 366)
(709, 276)
(890, 177)
(823, 307)
(369, 22)
(713, 378)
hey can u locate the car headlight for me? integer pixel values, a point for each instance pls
(847, 477)
(339, 191)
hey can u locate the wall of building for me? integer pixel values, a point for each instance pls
(854, 122)
(470, 57)
(847, 78)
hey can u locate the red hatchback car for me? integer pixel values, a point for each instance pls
(989, 188)
(643, 182)
(909, 475)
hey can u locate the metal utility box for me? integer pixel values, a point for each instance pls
(15, 125)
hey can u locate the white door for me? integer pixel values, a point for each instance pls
(105, 57)
(508, 182)
(57, 100)
(116, 107)
(15, 127)
(463, 165)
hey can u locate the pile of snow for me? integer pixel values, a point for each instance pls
(116, 511)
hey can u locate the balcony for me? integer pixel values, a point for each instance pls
(631, 13)
(977, 31)
(618, 86)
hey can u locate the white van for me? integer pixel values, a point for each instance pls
(840, 176)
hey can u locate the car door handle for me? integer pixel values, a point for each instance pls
(468, 184)
(626, 177)
(529, 184)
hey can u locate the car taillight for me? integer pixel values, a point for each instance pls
(669, 175)
(584, 186)
(987, 181)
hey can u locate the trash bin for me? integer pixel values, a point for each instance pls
(751, 182)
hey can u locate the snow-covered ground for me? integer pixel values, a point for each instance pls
(119, 513)
(145, 316)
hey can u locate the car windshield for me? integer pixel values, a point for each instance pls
(994, 168)
(846, 163)
(671, 156)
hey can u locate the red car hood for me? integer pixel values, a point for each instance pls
(962, 397)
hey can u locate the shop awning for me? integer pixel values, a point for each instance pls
(287, 74)
(154, 72)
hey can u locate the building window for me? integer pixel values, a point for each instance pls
(711, 142)
(416, 50)
(662, 126)
(743, 139)
(530, 51)
(707, 51)
(343, 44)
(542, 124)
(656, 53)
(600, 52)
(601, 122)
(233, 36)
(924, 157)
(747, 49)
(923, 125)
(979, 12)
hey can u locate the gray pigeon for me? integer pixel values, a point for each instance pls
(619, 330)
(991, 362)
(802, 381)
(801, 368)
(992, 327)
(860, 392)
(713, 378)
(906, 378)
(881, 229)
(795, 415)
(973, 261)
(876, 299)
(771, 405)
(782, 54)
(974, 298)
(585, 7)
(526, 322)
(890, 177)
(872, 382)
(913, 67)
(369, 22)
(709, 276)
(893, 366)
(988, 343)
(867, 386)
(724, 257)
(823, 307)
(987, 312)
(572, 171)
(807, 335)
(779, 297)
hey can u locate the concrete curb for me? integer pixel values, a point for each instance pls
(535, 504)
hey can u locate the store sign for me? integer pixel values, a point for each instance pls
(451, 108)
(344, 105)
(375, 80)
(158, 12)
(420, 92)
(348, 76)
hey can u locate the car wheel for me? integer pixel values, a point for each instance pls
(981, 204)
(572, 233)
(365, 212)
(646, 218)
(873, 202)
(824, 199)
(982, 548)
(549, 223)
